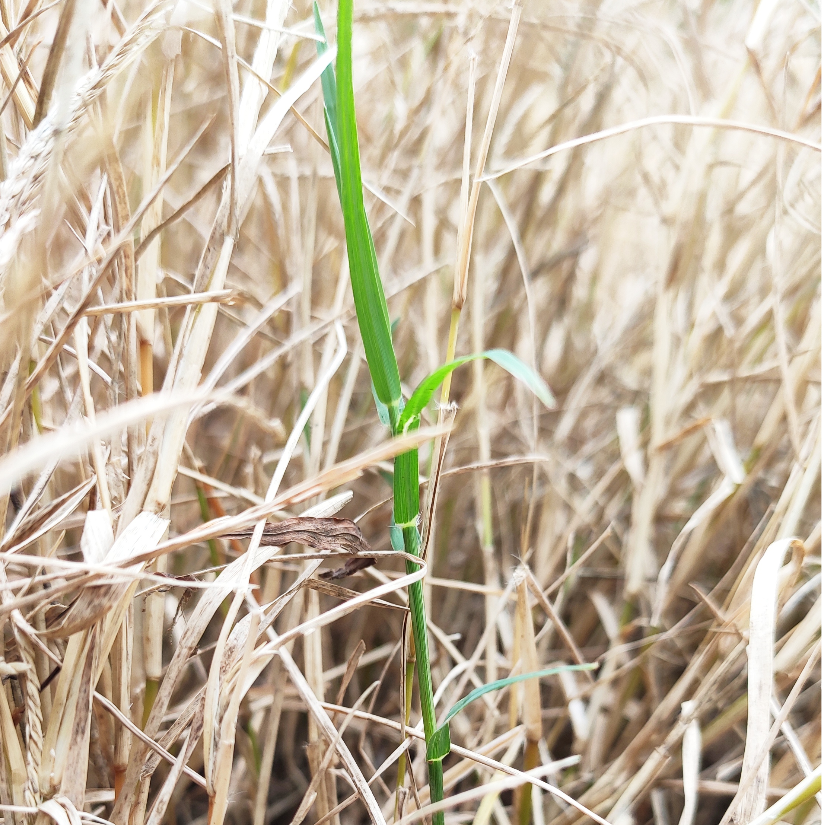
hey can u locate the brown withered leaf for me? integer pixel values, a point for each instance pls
(350, 567)
(323, 585)
(323, 534)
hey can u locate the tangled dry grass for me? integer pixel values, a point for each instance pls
(179, 360)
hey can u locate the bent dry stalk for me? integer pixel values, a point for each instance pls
(374, 325)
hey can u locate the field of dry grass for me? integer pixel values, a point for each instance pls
(634, 191)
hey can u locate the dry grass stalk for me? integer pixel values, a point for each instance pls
(650, 240)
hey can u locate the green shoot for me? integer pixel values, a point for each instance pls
(376, 332)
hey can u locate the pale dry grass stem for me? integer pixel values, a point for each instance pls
(627, 197)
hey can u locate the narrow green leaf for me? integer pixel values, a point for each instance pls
(794, 798)
(439, 745)
(503, 683)
(367, 289)
(506, 360)
(328, 76)
(328, 87)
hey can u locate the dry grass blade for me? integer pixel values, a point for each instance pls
(136, 731)
(756, 759)
(12, 74)
(320, 716)
(311, 794)
(218, 296)
(797, 796)
(165, 794)
(226, 27)
(468, 222)
(73, 439)
(691, 765)
(47, 84)
(26, 530)
(60, 809)
(712, 123)
(517, 779)
(345, 472)
(317, 622)
(526, 655)
(20, 191)
(103, 268)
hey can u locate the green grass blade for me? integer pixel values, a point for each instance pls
(376, 334)
(506, 360)
(438, 746)
(503, 683)
(798, 795)
(329, 89)
(328, 77)
(368, 292)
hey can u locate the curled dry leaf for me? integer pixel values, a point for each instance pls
(326, 535)
(350, 568)
(60, 809)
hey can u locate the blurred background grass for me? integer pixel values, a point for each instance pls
(665, 282)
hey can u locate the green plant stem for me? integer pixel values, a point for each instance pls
(436, 777)
(405, 511)
(422, 652)
(376, 334)
(434, 769)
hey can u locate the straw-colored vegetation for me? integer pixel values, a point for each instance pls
(203, 616)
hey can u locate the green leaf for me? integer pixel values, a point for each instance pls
(794, 798)
(383, 410)
(328, 76)
(503, 683)
(506, 360)
(439, 745)
(367, 289)
(330, 105)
